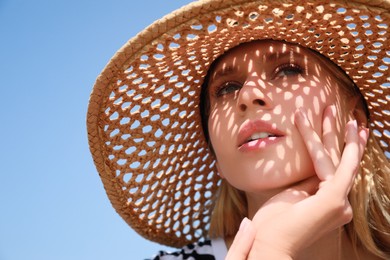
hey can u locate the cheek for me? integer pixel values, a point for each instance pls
(218, 132)
(311, 97)
(221, 122)
(314, 100)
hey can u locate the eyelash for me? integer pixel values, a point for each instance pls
(218, 90)
(292, 66)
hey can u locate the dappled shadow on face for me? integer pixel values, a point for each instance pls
(254, 91)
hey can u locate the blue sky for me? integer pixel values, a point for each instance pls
(53, 205)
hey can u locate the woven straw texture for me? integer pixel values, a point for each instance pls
(143, 123)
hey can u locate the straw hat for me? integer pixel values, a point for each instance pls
(144, 126)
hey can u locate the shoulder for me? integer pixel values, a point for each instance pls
(202, 250)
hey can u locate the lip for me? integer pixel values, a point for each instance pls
(250, 127)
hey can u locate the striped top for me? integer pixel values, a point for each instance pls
(214, 249)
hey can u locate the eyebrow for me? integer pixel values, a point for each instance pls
(224, 71)
(282, 55)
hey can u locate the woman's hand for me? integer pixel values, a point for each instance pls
(300, 215)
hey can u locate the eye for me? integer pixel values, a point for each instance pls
(287, 70)
(227, 88)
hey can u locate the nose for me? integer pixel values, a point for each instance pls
(252, 96)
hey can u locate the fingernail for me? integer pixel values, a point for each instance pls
(365, 131)
(354, 122)
(244, 224)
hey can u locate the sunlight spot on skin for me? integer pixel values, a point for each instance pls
(251, 83)
(266, 117)
(313, 83)
(306, 90)
(317, 69)
(234, 62)
(257, 92)
(288, 167)
(288, 95)
(327, 90)
(295, 86)
(316, 104)
(306, 63)
(301, 80)
(228, 109)
(259, 163)
(319, 155)
(235, 130)
(278, 109)
(299, 101)
(289, 142)
(250, 65)
(269, 165)
(285, 84)
(292, 56)
(224, 66)
(284, 119)
(231, 123)
(281, 152)
(284, 48)
(322, 96)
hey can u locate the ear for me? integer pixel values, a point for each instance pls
(358, 112)
(219, 171)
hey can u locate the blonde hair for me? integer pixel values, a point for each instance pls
(229, 209)
(369, 196)
(370, 200)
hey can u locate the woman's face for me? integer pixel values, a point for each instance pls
(254, 92)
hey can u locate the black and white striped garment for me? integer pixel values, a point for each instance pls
(214, 249)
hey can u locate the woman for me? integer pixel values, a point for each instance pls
(269, 106)
(284, 130)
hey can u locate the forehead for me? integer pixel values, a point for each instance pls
(266, 53)
(266, 49)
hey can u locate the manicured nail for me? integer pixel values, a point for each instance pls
(354, 123)
(244, 224)
(364, 131)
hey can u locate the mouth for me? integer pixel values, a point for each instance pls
(261, 135)
(257, 133)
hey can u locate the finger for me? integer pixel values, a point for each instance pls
(350, 159)
(363, 137)
(242, 243)
(330, 134)
(323, 165)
